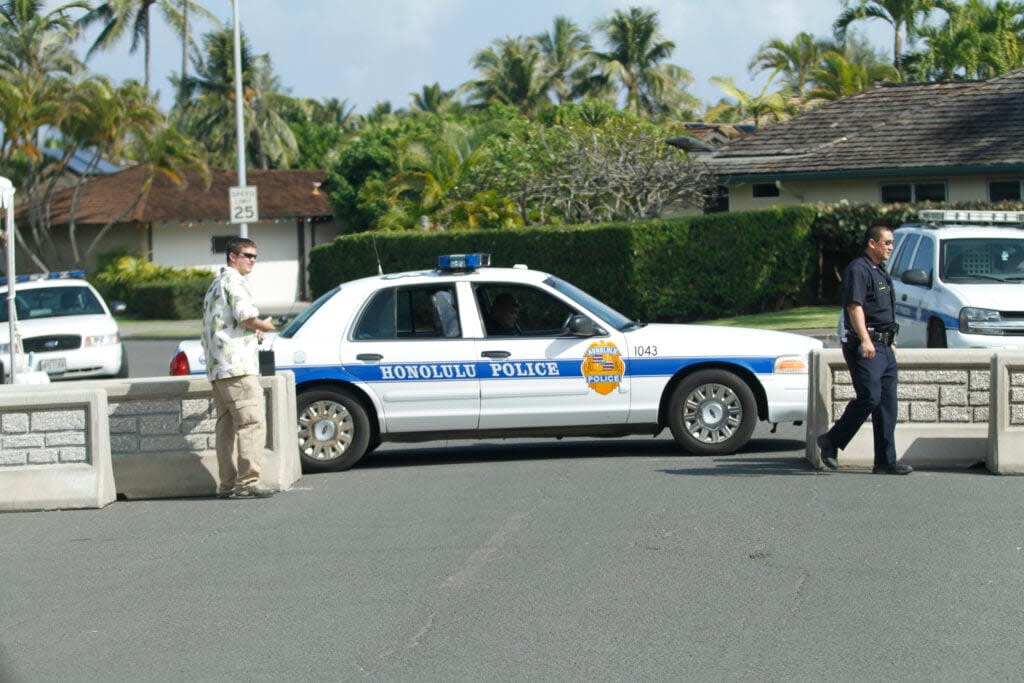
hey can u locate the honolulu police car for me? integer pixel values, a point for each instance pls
(958, 278)
(65, 325)
(469, 351)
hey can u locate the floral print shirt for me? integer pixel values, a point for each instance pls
(230, 349)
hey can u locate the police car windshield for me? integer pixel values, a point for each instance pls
(606, 313)
(52, 302)
(297, 324)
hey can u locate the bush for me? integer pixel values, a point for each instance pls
(136, 281)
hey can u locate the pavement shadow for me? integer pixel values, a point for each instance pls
(738, 466)
(550, 449)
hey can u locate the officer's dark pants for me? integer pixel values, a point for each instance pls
(874, 380)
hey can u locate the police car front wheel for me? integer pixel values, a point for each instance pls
(334, 430)
(712, 412)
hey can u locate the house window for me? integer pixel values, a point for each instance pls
(716, 199)
(913, 192)
(765, 190)
(1004, 190)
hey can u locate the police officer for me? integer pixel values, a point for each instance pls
(870, 323)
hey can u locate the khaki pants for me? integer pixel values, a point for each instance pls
(241, 433)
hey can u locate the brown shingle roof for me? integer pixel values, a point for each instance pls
(945, 127)
(281, 194)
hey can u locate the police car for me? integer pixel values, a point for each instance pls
(420, 356)
(65, 327)
(958, 278)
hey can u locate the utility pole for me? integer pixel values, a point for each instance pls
(243, 228)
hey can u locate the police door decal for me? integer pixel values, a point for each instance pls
(603, 367)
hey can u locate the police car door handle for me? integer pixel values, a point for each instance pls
(903, 298)
(495, 354)
(369, 356)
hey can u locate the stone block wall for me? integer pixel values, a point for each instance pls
(928, 394)
(43, 436)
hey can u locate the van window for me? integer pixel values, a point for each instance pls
(925, 257)
(902, 261)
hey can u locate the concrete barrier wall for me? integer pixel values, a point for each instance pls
(1006, 428)
(160, 433)
(54, 449)
(945, 399)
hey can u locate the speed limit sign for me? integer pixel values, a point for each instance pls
(243, 205)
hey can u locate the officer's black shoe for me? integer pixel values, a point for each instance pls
(893, 468)
(828, 452)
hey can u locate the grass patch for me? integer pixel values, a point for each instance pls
(805, 318)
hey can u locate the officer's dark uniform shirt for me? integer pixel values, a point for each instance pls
(870, 286)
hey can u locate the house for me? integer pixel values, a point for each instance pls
(188, 225)
(951, 141)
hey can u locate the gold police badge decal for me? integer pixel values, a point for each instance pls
(603, 367)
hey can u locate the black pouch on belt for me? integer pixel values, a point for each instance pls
(268, 367)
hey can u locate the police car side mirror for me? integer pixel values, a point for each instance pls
(118, 307)
(916, 277)
(581, 326)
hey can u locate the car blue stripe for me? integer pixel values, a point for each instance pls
(908, 312)
(449, 371)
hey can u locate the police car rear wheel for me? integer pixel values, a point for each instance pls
(712, 412)
(334, 430)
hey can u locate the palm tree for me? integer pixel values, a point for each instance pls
(511, 73)
(905, 16)
(977, 40)
(764, 107)
(209, 113)
(133, 16)
(794, 60)
(432, 98)
(635, 61)
(566, 50)
(837, 77)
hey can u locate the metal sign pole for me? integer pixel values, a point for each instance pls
(243, 229)
(7, 204)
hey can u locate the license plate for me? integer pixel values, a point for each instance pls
(53, 366)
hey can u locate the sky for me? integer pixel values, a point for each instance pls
(368, 51)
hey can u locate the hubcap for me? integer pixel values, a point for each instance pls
(712, 413)
(325, 430)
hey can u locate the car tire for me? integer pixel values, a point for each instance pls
(936, 334)
(334, 430)
(712, 412)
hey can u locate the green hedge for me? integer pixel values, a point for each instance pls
(682, 269)
(175, 300)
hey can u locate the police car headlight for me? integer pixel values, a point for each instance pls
(101, 340)
(980, 321)
(790, 364)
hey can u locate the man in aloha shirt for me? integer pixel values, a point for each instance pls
(232, 331)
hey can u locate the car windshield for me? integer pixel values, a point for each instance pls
(982, 259)
(606, 313)
(297, 324)
(52, 302)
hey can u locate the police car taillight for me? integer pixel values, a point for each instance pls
(179, 364)
(453, 262)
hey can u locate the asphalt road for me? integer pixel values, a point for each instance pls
(574, 560)
(149, 357)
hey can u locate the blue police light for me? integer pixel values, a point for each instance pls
(451, 262)
(56, 275)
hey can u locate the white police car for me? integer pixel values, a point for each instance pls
(428, 355)
(958, 278)
(65, 325)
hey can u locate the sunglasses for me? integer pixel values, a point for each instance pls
(246, 254)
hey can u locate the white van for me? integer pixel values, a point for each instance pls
(958, 278)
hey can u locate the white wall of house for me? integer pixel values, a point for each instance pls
(275, 281)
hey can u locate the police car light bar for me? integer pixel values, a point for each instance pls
(956, 216)
(58, 275)
(448, 262)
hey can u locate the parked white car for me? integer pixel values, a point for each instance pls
(958, 278)
(419, 356)
(65, 325)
